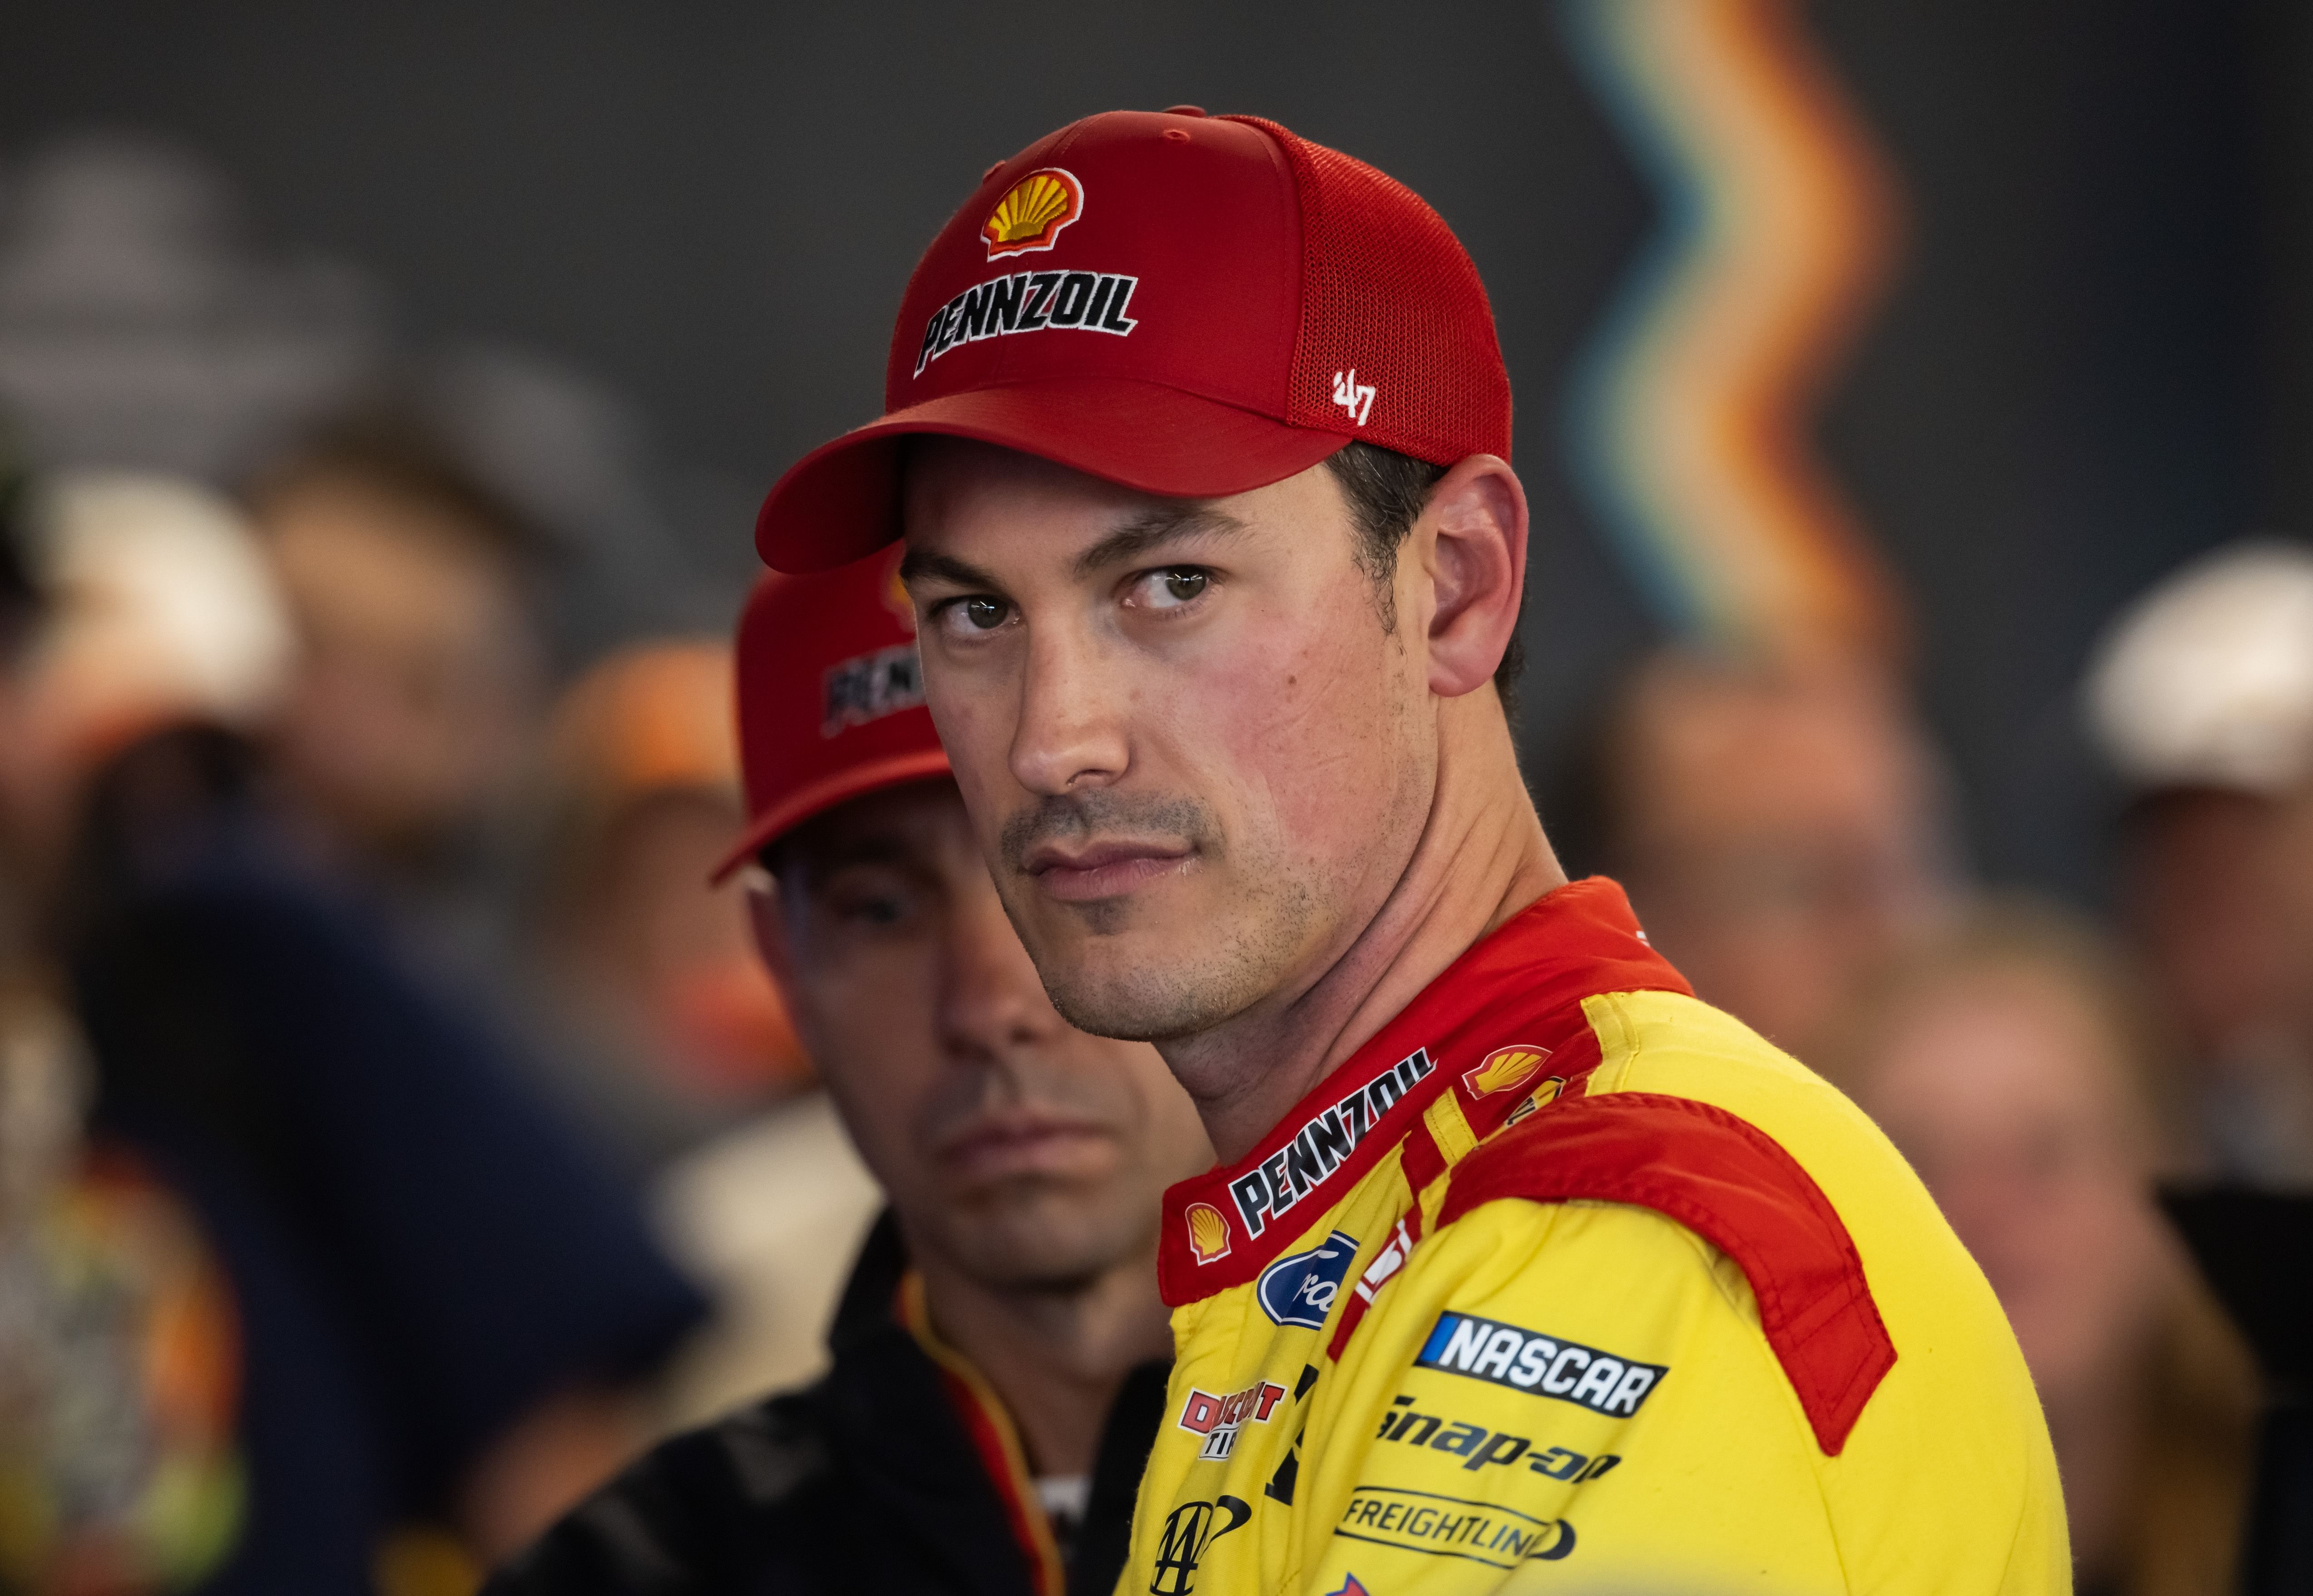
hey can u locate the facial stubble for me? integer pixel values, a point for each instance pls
(1100, 987)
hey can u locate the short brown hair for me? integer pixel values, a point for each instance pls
(1387, 492)
(389, 447)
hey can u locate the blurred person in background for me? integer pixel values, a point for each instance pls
(673, 1027)
(1780, 829)
(664, 1030)
(301, 1291)
(2201, 696)
(422, 680)
(1000, 1353)
(2014, 1063)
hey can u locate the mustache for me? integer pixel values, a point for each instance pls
(1081, 815)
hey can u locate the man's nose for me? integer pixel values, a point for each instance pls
(1069, 735)
(991, 1001)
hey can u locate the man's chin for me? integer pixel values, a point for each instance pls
(1141, 1002)
(1041, 1235)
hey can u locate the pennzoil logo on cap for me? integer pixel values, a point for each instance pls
(1209, 1232)
(1029, 302)
(1505, 1069)
(1032, 212)
(869, 686)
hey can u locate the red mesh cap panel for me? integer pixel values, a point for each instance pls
(1396, 343)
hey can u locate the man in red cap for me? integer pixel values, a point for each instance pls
(998, 1351)
(1522, 1268)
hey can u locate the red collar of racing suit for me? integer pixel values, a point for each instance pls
(1504, 1019)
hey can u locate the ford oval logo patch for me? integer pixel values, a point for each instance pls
(1298, 1288)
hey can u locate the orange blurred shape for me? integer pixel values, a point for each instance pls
(732, 1034)
(651, 716)
(420, 1560)
(192, 1343)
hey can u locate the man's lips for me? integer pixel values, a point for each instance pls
(1020, 1144)
(1102, 869)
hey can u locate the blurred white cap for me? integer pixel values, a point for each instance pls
(2207, 680)
(161, 607)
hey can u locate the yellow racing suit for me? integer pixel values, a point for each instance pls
(1567, 1282)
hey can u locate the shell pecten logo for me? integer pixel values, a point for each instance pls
(1506, 1068)
(1032, 212)
(1209, 1232)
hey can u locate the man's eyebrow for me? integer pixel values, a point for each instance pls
(918, 563)
(1161, 525)
(820, 860)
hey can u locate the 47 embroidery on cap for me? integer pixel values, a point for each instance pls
(1353, 396)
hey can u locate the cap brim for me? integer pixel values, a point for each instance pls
(854, 781)
(841, 501)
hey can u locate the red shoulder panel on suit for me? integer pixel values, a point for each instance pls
(1732, 1185)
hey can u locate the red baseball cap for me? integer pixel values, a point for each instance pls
(1188, 305)
(831, 696)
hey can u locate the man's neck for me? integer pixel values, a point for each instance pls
(1056, 1356)
(1481, 857)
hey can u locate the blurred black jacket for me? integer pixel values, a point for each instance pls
(865, 1481)
(417, 1252)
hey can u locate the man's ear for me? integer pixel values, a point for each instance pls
(1474, 550)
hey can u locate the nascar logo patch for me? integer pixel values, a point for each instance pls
(1540, 1366)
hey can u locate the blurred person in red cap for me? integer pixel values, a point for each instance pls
(2201, 698)
(2017, 1063)
(299, 1290)
(1781, 827)
(998, 1351)
(1197, 434)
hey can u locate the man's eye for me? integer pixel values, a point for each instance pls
(875, 911)
(978, 613)
(871, 903)
(1170, 589)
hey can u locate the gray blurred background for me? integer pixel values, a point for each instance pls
(2097, 356)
